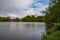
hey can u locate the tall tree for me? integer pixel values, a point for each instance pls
(53, 13)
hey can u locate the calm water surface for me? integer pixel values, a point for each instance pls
(21, 30)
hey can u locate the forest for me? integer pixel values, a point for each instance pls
(27, 18)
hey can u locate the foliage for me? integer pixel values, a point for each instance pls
(5, 19)
(32, 18)
(16, 20)
(53, 36)
(53, 33)
(27, 18)
(55, 27)
(53, 13)
(52, 19)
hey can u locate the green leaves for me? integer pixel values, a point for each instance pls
(53, 36)
(5, 19)
(52, 19)
(32, 18)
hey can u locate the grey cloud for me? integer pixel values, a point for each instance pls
(9, 6)
(16, 7)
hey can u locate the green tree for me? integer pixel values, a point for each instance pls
(16, 19)
(53, 16)
(5, 19)
(53, 13)
(32, 18)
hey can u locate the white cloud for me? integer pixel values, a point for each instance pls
(15, 7)
(41, 6)
(1, 15)
(12, 15)
(20, 8)
(11, 4)
(30, 11)
(23, 3)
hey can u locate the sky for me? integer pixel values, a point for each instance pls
(22, 8)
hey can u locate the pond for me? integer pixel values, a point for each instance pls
(22, 30)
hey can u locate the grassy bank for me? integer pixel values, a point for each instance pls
(53, 33)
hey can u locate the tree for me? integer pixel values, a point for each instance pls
(16, 20)
(53, 13)
(5, 19)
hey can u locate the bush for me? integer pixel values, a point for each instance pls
(53, 36)
(54, 32)
(55, 27)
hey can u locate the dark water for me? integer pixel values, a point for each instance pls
(21, 30)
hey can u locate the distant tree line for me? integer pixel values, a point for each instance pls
(32, 18)
(5, 19)
(27, 18)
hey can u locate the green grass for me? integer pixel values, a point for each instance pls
(53, 36)
(54, 32)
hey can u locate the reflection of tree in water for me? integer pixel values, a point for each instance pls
(23, 30)
(31, 27)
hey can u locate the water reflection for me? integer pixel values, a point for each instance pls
(21, 30)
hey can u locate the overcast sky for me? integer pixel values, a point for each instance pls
(21, 8)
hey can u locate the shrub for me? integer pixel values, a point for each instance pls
(53, 36)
